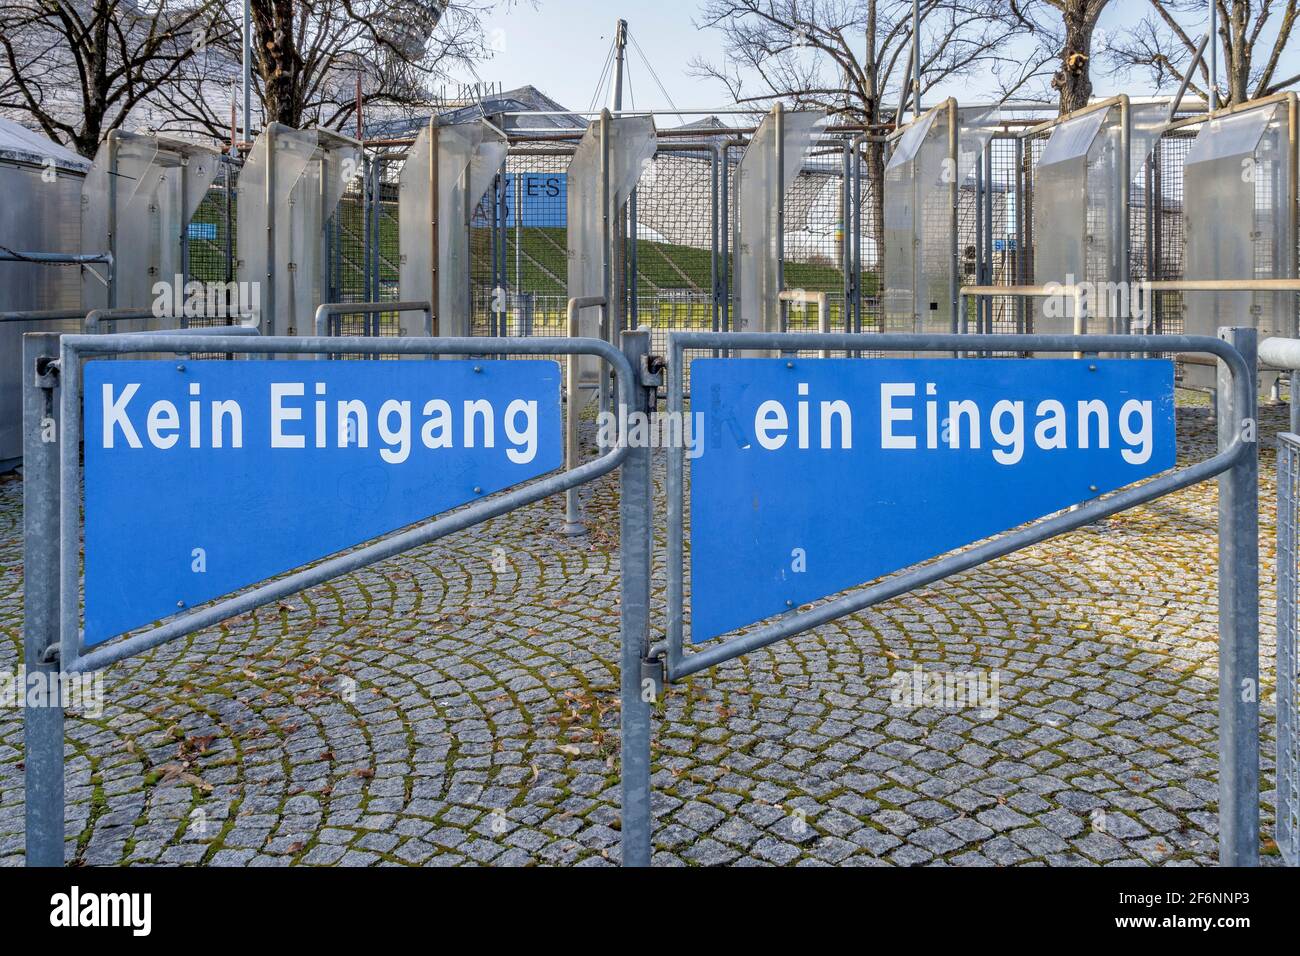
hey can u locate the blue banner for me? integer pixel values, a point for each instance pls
(204, 477)
(543, 197)
(813, 476)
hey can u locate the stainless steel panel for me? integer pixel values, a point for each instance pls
(469, 155)
(137, 201)
(309, 170)
(1236, 184)
(40, 212)
(757, 194)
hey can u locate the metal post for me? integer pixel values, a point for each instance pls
(247, 71)
(114, 137)
(1019, 255)
(617, 301)
(1294, 404)
(184, 236)
(1213, 101)
(989, 246)
(440, 322)
(573, 524)
(495, 266)
(630, 275)
(502, 259)
(1125, 204)
(980, 277)
(270, 321)
(1191, 68)
(226, 232)
(954, 199)
(606, 252)
(42, 725)
(620, 47)
(635, 513)
(714, 275)
(724, 235)
(1239, 613)
(778, 114)
(857, 238)
(519, 239)
(846, 244)
(376, 211)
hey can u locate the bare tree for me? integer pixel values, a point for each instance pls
(78, 69)
(813, 53)
(1252, 36)
(1064, 31)
(310, 53)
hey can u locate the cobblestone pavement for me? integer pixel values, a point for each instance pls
(459, 705)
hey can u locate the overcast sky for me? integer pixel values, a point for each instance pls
(560, 46)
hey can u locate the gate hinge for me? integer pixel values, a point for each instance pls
(652, 670)
(47, 372)
(652, 370)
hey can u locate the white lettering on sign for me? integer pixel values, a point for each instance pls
(1006, 429)
(126, 417)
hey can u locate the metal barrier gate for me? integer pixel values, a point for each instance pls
(1236, 465)
(53, 641)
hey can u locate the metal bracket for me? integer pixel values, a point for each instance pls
(652, 371)
(653, 670)
(47, 372)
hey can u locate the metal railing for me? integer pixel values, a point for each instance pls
(329, 310)
(1236, 465)
(52, 636)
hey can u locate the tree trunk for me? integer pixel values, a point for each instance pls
(95, 106)
(277, 61)
(1073, 81)
(1238, 54)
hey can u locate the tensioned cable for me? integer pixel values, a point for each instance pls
(653, 75)
(601, 83)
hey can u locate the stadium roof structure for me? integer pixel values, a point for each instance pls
(525, 99)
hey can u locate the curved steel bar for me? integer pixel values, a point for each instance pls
(44, 315)
(73, 347)
(327, 310)
(96, 317)
(680, 664)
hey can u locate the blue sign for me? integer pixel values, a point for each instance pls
(204, 477)
(544, 198)
(1004, 245)
(813, 476)
(202, 230)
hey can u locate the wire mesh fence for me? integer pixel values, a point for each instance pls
(675, 262)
